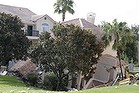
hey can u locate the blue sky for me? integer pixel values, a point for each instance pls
(106, 10)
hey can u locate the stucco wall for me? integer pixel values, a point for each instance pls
(42, 20)
(109, 50)
(104, 70)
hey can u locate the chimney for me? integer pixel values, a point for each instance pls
(91, 17)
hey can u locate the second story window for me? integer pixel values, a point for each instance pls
(29, 30)
(45, 27)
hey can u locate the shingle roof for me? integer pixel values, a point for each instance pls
(86, 25)
(73, 21)
(23, 67)
(23, 13)
(36, 17)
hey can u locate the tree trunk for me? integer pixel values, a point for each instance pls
(58, 84)
(43, 75)
(79, 80)
(119, 57)
(87, 83)
(69, 81)
(84, 83)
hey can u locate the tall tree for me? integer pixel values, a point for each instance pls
(120, 33)
(73, 48)
(131, 51)
(63, 6)
(13, 42)
(51, 53)
(85, 52)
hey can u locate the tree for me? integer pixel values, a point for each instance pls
(131, 51)
(13, 42)
(71, 48)
(51, 54)
(82, 50)
(120, 33)
(63, 6)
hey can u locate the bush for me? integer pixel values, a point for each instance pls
(50, 81)
(32, 78)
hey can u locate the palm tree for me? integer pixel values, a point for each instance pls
(120, 33)
(63, 6)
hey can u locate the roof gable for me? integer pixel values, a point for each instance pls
(86, 25)
(37, 17)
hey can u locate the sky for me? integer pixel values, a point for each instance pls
(105, 10)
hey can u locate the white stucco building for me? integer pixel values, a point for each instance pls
(33, 24)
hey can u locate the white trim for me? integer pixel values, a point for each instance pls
(47, 17)
(32, 37)
(81, 22)
(3, 73)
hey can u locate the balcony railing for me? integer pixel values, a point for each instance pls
(32, 33)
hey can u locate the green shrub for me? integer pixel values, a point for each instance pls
(32, 78)
(50, 81)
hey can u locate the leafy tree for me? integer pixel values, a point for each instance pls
(13, 42)
(49, 54)
(63, 6)
(131, 50)
(83, 50)
(118, 32)
(72, 47)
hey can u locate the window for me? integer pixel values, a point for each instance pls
(45, 27)
(29, 30)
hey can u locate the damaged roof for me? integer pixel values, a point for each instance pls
(24, 67)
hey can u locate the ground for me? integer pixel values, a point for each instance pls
(11, 85)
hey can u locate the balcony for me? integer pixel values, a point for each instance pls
(33, 33)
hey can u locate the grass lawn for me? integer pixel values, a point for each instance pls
(11, 85)
(114, 89)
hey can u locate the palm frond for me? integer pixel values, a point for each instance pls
(62, 6)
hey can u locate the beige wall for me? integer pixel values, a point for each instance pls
(109, 50)
(42, 20)
(104, 67)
